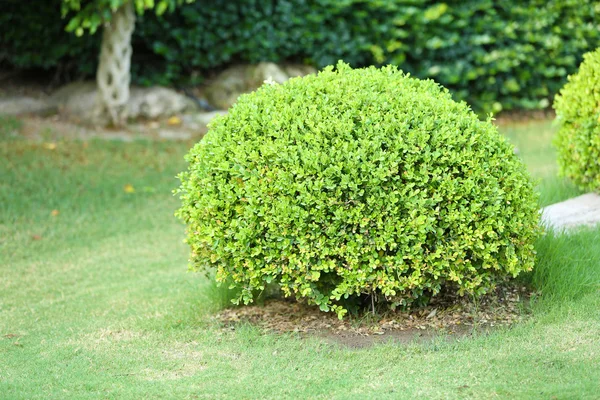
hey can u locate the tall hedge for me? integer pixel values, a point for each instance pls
(496, 55)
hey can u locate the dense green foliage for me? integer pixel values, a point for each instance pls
(496, 55)
(578, 114)
(357, 182)
(32, 35)
(204, 36)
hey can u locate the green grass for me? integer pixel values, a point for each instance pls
(96, 302)
(534, 142)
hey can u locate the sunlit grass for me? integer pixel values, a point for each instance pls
(568, 266)
(96, 301)
(533, 141)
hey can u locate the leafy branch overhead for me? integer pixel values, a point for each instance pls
(91, 15)
(113, 74)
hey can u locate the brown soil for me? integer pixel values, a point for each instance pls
(447, 317)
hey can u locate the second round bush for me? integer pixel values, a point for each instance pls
(357, 182)
(578, 114)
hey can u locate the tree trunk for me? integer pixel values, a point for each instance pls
(113, 76)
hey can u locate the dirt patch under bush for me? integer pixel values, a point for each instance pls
(448, 316)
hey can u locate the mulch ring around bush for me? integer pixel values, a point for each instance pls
(449, 316)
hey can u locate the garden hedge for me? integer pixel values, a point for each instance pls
(496, 55)
(353, 183)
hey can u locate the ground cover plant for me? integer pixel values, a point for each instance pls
(95, 300)
(357, 182)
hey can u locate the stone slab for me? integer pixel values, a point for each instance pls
(24, 105)
(573, 213)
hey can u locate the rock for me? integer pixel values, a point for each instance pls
(206, 117)
(199, 121)
(78, 100)
(295, 70)
(225, 89)
(157, 102)
(265, 71)
(170, 134)
(25, 105)
(577, 212)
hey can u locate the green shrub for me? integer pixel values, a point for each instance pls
(351, 182)
(578, 114)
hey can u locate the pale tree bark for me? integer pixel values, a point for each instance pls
(113, 76)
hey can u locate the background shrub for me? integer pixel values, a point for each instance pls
(578, 115)
(357, 182)
(496, 55)
(32, 35)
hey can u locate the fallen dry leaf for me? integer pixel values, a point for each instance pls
(128, 188)
(11, 335)
(36, 237)
(50, 146)
(174, 121)
(54, 213)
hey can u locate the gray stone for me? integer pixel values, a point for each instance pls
(295, 70)
(25, 105)
(267, 71)
(230, 84)
(573, 213)
(157, 102)
(224, 90)
(206, 117)
(172, 134)
(199, 121)
(78, 100)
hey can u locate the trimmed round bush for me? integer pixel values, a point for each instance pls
(578, 114)
(357, 182)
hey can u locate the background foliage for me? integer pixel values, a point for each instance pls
(496, 55)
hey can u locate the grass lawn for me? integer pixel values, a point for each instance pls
(96, 300)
